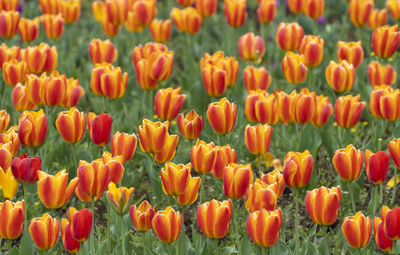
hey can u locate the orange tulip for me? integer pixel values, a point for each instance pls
(32, 128)
(294, 68)
(261, 107)
(28, 29)
(215, 80)
(5, 156)
(108, 81)
(266, 11)
(251, 47)
(258, 138)
(312, 47)
(206, 8)
(9, 23)
(261, 196)
(236, 180)
(394, 150)
(377, 18)
(305, 106)
(190, 125)
(272, 178)
(185, 3)
(357, 230)
(352, 52)
(12, 219)
(394, 8)
(167, 224)
(323, 111)
(391, 226)
(49, 6)
(222, 116)
(359, 11)
(120, 198)
(295, 6)
(168, 102)
(175, 178)
(286, 105)
(381, 241)
(340, 77)
(73, 93)
(313, 8)
(116, 11)
(187, 20)
(224, 155)
(191, 192)
(14, 72)
(80, 223)
(9, 5)
(100, 128)
(385, 40)
(142, 216)
(145, 52)
(70, 10)
(4, 120)
(214, 217)
(202, 156)
(158, 64)
(376, 166)
(235, 12)
(10, 137)
(348, 162)
(348, 110)
(289, 36)
(53, 25)
(298, 168)
(123, 144)
(44, 231)
(256, 78)
(160, 30)
(152, 135)
(381, 75)
(110, 29)
(384, 103)
(322, 205)
(69, 243)
(38, 59)
(168, 151)
(7, 53)
(71, 125)
(263, 227)
(116, 166)
(144, 12)
(102, 51)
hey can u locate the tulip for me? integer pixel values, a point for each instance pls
(222, 116)
(143, 76)
(32, 128)
(25, 169)
(231, 67)
(144, 12)
(235, 12)
(70, 10)
(115, 164)
(261, 196)
(322, 205)
(71, 125)
(5, 155)
(323, 111)
(190, 125)
(108, 81)
(385, 40)
(215, 80)
(12, 219)
(175, 178)
(52, 90)
(295, 6)
(157, 66)
(191, 192)
(8, 184)
(69, 243)
(116, 11)
(214, 217)
(187, 20)
(261, 107)
(202, 156)
(28, 29)
(160, 30)
(266, 11)
(14, 72)
(391, 226)
(286, 105)
(167, 152)
(348, 110)
(9, 23)
(340, 77)
(272, 178)
(394, 150)
(359, 11)
(119, 198)
(206, 8)
(394, 8)
(381, 241)
(4, 120)
(251, 47)
(142, 216)
(263, 227)
(185, 3)
(10, 141)
(93, 180)
(312, 47)
(123, 144)
(357, 230)
(381, 75)
(258, 138)
(168, 102)
(20, 99)
(384, 103)
(110, 29)
(376, 166)
(73, 93)
(348, 162)
(102, 51)
(99, 10)
(100, 128)
(152, 135)
(224, 155)
(236, 180)
(352, 52)
(48, 6)
(298, 168)
(80, 223)
(293, 67)
(304, 106)
(44, 231)
(54, 191)
(167, 224)
(313, 8)
(256, 78)
(145, 52)
(289, 36)
(53, 25)
(377, 18)
(7, 53)
(38, 59)
(9, 5)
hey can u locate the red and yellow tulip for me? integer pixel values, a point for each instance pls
(348, 110)
(261, 196)
(289, 36)
(236, 180)
(385, 40)
(294, 68)
(222, 116)
(377, 166)
(123, 144)
(348, 162)
(120, 198)
(168, 102)
(93, 180)
(340, 77)
(381, 74)
(44, 231)
(322, 204)
(263, 227)
(167, 224)
(214, 217)
(175, 178)
(12, 219)
(357, 230)
(298, 168)
(71, 125)
(142, 216)
(152, 135)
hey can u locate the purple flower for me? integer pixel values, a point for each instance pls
(321, 20)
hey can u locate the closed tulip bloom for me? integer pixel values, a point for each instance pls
(384, 103)
(312, 47)
(340, 77)
(152, 135)
(123, 144)
(102, 51)
(323, 111)
(313, 8)
(236, 180)
(8, 184)
(5, 156)
(348, 110)
(14, 72)
(167, 224)
(261, 196)
(206, 8)
(160, 30)
(80, 223)
(71, 125)
(116, 11)
(159, 65)
(168, 151)
(187, 20)
(305, 106)
(120, 198)
(256, 78)
(214, 217)
(322, 205)
(70, 10)
(191, 192)
(38, 59)
(73, 93)
(231, 66)
(272, 178)
(376, 166)
(25, 169)
(168, 102)
(12, 219)
(99, 10)
(52, 90)
(394, 8)
(145, 52)
(258, 138)
(202, 157)
(144, 12)
(224, 155)
(357, 230)
(110, 29)
(359, 11)
(381, 74)
(190, 125)
(143, 76)
(286, 105)
(251, 47)
(142, 215)
(391, 226)
(298, 168)
(266, 11)
(385, 40)
(4, 120)
(222, 116)
(53, 25)
(261, 107)
(93, 180)
(9, 23)
(352, 52)
(348, 162)
(28, 29)
(289, 36)
(185, 3)
(108, 81)
(175, 178)
(44, 231)
(48, 6)
(115, 164)
(7, 53)
(294, 68)
(263, 227)
(100, 128)
(295, 6)
(131, 23)
(10, 137)
(377, 18)
(69, 243)
(394, 150)
(235, 12)
(215, 80)
(381, 241)
(32, 128)
(9, 5)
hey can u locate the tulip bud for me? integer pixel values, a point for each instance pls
(236, 180)
(251, 47)
(152, 135)
(168, 102)
(352, 52)
(385, 40)
(298, 168)
(235, 12)
(100, 128)
(357, 230)
(222, 116)
(376, 166)
(9, 23)
(120, 198)
(187, 20)
(190, 125)
(28, 29)
(160, 30)
(258, 138)
(312, 47)
(263, 227)
(348, 110)
(214, 217)
(142, 216)
(322, 205)
(102, 51)
(123, 144)
(293, 67)
(289, 36)
(167, 224)
(340, 77)
(359, 11)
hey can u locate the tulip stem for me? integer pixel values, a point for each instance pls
(375, 200)
(394, 187)
(202, 184)
(145, 243)
(104, 104)
(381, 193)
(123, 235)
(296, 227)
(93, 227)
(353, 205)
(108, 227)
(265, 251)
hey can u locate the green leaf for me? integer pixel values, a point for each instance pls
(245, 246)
(26, 246)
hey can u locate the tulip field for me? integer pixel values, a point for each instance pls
(199, 127)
